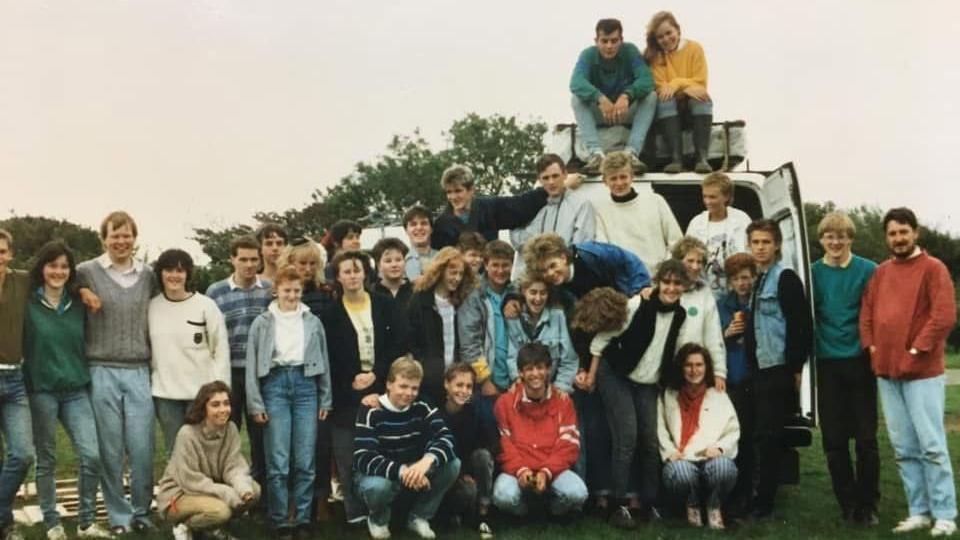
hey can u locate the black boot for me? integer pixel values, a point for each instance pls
(701, 142)
(670, 129)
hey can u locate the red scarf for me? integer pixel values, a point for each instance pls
(691, 401)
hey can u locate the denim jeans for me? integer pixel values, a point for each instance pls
(632, 413)
(914, 415)
(593, 464)
(567, 493)
(73, 409)
(170, 413)
(123, 411)
(378, 493)
(290, 437)
(463, 498)
(15, 423)
(639, 117)
(694, 481)
(238, 409)
(669, 108)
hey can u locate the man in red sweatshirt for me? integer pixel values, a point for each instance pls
(539, 440)
(908, 309)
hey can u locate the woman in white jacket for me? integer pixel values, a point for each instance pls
(698, 432)
(702, 325)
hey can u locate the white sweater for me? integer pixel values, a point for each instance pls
(644, 226)
(702, 326)
(719, 426)
(723, 239)
(288, 342)
(190, 346)
(648, 368)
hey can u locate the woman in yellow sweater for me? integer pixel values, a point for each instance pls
(679, 70)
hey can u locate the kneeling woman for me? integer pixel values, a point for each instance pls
(634, 339)
(207, 480)
(698, 431)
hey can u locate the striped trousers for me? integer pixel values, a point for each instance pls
(694, 481)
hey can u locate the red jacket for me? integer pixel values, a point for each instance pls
(908, 304)
(537, 435)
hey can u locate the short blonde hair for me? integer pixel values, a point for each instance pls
(687, 244)
(614, 161)
(542, 247)
(306, 248)
(405, 367)
(457, 174)
(722, 181)
(115, 220)
(836, 222)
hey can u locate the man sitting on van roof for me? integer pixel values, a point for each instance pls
(612, 85)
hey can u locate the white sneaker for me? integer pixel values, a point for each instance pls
(912, 523)
(56, 533)
(182, 532)
(421, 528)
(93, 531)
(943, 527)
(378, 532)
(486, 533)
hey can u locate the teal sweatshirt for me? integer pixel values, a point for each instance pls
(836, 296)
(627, 73)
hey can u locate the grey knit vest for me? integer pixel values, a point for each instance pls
(117, 334)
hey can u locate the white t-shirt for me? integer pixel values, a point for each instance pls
(447, 314)
(723, 239)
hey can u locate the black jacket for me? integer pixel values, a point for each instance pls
(345, 355)
(426, 343)
(487, 216)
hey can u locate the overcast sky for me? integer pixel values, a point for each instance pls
(199, 113)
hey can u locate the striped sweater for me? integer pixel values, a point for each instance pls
(240, 307)
(387, 438)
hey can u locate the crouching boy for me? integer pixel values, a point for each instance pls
(539, 439)
(403, 446)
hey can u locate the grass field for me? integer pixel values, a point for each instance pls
(953, 360)
(807, 511)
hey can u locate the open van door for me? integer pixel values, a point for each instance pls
(781, 202)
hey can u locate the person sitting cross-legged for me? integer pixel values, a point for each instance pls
(539, 439)
(403, 446)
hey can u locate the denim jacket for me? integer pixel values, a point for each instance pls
(770, 325)
(550, 330)
(260, 345)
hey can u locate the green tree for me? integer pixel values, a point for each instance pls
(501, 151)
(30, 233)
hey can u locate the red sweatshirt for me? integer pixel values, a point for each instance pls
(908, 304)
(537, 435)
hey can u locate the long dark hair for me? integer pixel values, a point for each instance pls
(197, 412)
(671, 375)
(50, 252)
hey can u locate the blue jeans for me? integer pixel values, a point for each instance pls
(123, 411)
(669, 109)
(170, 413)
(15, 424)
(914, 415)
(73, 409)
(691, 481)
(639, 117)
(567, 492)
(378, 493)
(290, 439)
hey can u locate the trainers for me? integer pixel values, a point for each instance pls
(912, 523)
(943, 527)
(378, 532)
(621, 518)
(638, 166)
(715, 519)
(56, 533)
(673, 167)
(93, 531)
(219, 534)
(421, 528)
(12, 532)
(702, 167)
(182, 532)
(486, 533)
(593, 163)
(693, 516)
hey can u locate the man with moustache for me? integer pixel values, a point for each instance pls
(907, 312)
